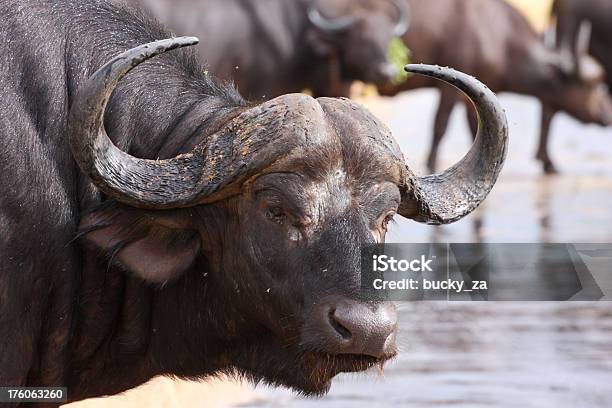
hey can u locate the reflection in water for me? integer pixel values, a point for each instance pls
(543, 203)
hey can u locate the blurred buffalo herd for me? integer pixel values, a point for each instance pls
(273, 47)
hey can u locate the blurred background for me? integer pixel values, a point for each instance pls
(455, 354)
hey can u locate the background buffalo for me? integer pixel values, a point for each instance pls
(589, 19)
(272, 47)
(509, 55)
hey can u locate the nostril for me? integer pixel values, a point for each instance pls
(340, 329)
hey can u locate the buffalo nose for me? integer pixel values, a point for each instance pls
(363, 329)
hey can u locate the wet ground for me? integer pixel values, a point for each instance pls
(531, 354)
(525, 206)
(462, 355)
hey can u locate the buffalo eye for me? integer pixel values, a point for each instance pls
(276, 214)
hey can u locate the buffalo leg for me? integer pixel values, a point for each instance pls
(335, 86)
(336, 90)
(445, 108)
(547, 115)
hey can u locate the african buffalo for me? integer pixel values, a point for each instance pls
(493, 41)
(591, 19)
(272, 47)
(154, 223)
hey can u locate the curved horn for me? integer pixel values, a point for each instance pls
(403, 17)
(328, 24)
(447, 197)
(207, 173)
(139, 182)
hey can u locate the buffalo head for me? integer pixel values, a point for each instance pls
(266, 219)
(579, 85)
(585, 94)
(358, 31)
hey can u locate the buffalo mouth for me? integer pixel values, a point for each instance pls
(322, 367)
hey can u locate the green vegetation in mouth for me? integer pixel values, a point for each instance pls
(399, 56)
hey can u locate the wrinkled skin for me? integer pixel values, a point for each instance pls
(317, 207)
(269, 48)
(494, 42)
(215, 288)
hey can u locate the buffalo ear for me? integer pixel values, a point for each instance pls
(157, 246)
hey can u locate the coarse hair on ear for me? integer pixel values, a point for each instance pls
(158, 246)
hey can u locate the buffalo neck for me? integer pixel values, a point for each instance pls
(161, 109)
(130, 331)
(124, 327)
